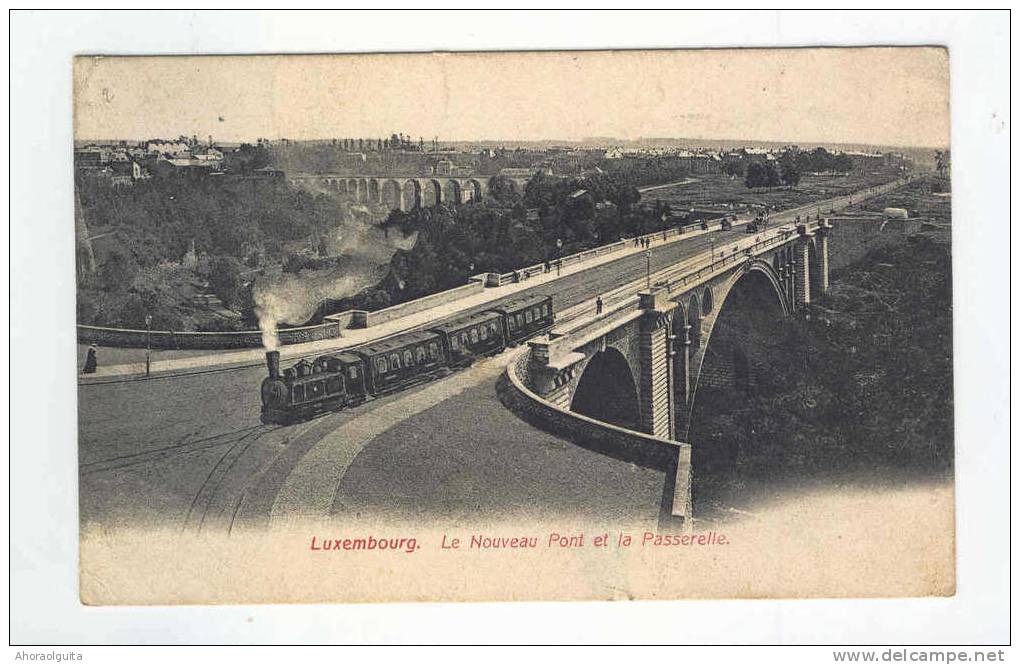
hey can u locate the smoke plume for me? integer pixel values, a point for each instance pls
(362, 251)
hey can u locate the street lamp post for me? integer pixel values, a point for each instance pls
(648, 269)
(148, 343)
(559, 248)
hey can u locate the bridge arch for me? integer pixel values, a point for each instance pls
(606, 390)
(679, 321)
(374, 191)
(681, 357)
(391, 194)
(451, 192)
(432, 193)
(707, 301)
(474, 189)
(694, 321)
(411, 195)
(737, 338)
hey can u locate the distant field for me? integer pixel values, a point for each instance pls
(918, 200)
(711, 191)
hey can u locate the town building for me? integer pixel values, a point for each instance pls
(175, 149)
(191, 167)
(525, 172)
(444, 167)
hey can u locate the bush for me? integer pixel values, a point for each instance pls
(225, 279)
(117, 271)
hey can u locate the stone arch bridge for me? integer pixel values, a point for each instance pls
(639, 365)
(405, 192)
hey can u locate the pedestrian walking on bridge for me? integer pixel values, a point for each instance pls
(598, 304)
(91, 361)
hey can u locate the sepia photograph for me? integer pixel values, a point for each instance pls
(313, 323)
(369, 313)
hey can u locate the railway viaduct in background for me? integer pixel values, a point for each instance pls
(638, 365)
(404, 192)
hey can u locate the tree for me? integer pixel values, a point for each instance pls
(540, 191)
(577, 210)
(789, 168)
(375, 298)
(504, 189)
(117, 271)
(755, 175)
(941, 161)
(225, 279)
(733, 167)
(626, 198)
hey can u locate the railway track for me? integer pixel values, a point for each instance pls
(161, 454)
(202, 502)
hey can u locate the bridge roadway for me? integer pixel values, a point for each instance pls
(188, 452)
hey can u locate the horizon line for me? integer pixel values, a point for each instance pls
(594, 139)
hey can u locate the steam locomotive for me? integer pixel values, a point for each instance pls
(349, 377)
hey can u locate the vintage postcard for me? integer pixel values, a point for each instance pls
(592, 325)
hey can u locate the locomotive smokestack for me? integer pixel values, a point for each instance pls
(273, 363)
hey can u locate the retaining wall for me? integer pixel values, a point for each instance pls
(628, 445)
(169, 339)
(853, 237)
(362, 319)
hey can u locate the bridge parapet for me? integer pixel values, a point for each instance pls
(562, 341)
(672, 457)
(669, 283)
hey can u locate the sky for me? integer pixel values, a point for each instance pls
(878, 96)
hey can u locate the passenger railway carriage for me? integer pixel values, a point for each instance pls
(471, 336)
(336, 381)
(525, 317)
(397, 361)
